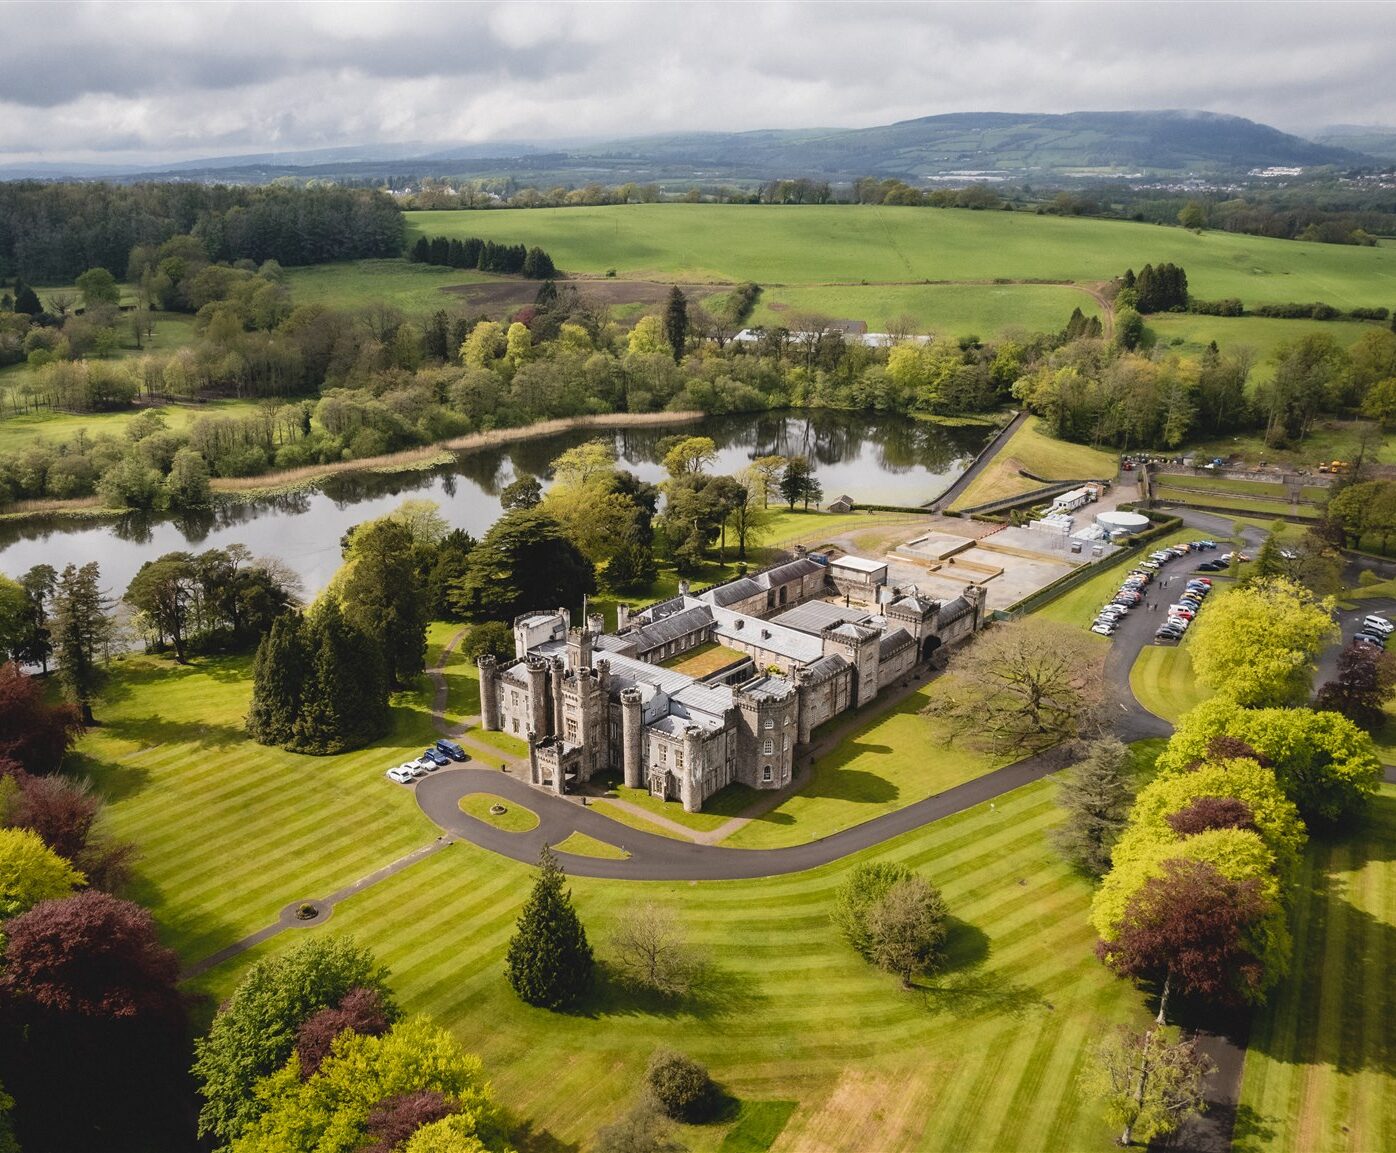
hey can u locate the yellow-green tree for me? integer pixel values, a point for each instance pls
(485, 344)
(1258, 643)
(31, 872)
(647, 337)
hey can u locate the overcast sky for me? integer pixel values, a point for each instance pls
(160, 82)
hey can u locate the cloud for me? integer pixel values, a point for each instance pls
(161, 82)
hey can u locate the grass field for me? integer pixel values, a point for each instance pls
(1205, 482)
(581, 845)
(717, 810)
(413, 288)
(1033, 449)
(1163, 682)
(514, 819)
(803, 245)
(947, 310)
(785, 1012)
(18, 430)
(1237, 503)
(1329, 439)
(884, 764)
(1190, 334)
(1321, 1066)
(230, 831)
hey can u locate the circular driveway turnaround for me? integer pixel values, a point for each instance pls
(656, 858)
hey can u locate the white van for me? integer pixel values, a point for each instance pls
(1379, 625)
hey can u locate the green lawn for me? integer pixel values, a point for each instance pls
(1257, 507)
(780, 246)
(719, 808)
(581, 845)
(229, 831)
(1329, 439)
(1163, 682)
(515, 818)
(20, 429)
(1041, 454)
(1189, 334)
(785, 1012)
(462, 677)
(1319, 1071)
(947, 310)
(703, 660)
(1206, 482)
(885, 763)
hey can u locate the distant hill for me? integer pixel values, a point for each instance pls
(1374, 140)
(1003, 143)
(958, 146)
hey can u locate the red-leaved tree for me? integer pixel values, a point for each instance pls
(1186, 929)
(360, 1010)
(33, 732)
(1211, 813)
(62, 812)
(1366, 680)
(395, 1119)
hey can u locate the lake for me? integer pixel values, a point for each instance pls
(875, 458)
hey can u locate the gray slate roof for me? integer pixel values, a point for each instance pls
(825, 668)
(894, 642)
(815, 616)
(737, 590)
(670, 628)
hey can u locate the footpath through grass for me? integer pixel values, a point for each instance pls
(785, 1011)
(1321, 1066)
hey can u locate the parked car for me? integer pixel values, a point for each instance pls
(403, 774)
(452, 750)
(425, 765)
(1186, 611)
(1371, 639)
(1104, 630)
(1213, 566)
(436, 757)
(1376, 624)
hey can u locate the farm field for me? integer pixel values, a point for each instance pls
(785, 1012)
(1036, 451)
(1319, 1071)
(804, 245)
(1190, 334)
(946, 310)
(413, 288)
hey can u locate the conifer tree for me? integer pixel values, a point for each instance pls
(81, 633)
(344, 703)
(549, 962)
(278, 681)
(384, 595)
(676, 322)
(1096, 799)
(26, 299)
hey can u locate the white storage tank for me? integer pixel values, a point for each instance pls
(1122, 522)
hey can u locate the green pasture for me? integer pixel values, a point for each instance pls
(784, 1012)
(1328, 439)
(581, 845)
(1319, 1072)
(415, 289)
(1038, 452)
(946, 310)
(1189, 334)
(21, 429)
(804, 245)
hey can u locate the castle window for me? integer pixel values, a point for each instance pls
(678, 758)
(514, 699)
(768, 747)
(571, 730)
(770, 723)
(515, 723)
(766, 773)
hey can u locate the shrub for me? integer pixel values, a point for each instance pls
(681, 1086)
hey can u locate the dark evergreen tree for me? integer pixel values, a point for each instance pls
(538, 265)
(632, 568)
(438, 336)
(448, 565)
(549, 962)
(1076, 324)
(82, 632)
(344, 704)
(27, 300)
(546, 295)
(421, 251)
(384, 596)
(676, 322)
(1096, 799)
(525, 561)
(278, 682)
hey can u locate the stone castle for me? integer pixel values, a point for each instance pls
(588, 701)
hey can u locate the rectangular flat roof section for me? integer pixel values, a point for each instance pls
(859, 564)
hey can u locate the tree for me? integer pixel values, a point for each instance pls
(1186, 930)
(63, 813)
(644, 1129)
(343, 701)
(749, 518)
(633, 567)
(689, 455)
(163, 592)
(492, 637)
(1096, 798)
(396, 1119)
(329, 1112)
(1025, 685)
(359, 1010)
(549, 962)
(33, 733)
(1193, 215)
(36, 642)
(98, 287)
(650, 951)
(187, 486)
(255, 1032)
(1365, 681)
(907, 928)
(31, 872)
(524, 562)
(383, 595)
(27, 300)
(1148, 1081)
(676, 322)
(82, 631)
(767, 471)
(14, 616)
(1324, 763)
(279, 672)
(680, 1086)
(524, 492)
(866, 885)
(1258, 643)
(798, 483)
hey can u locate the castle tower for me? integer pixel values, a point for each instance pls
(766, 731)
(860, 647)
(690, 787)
(578, 648)
(632, 735)
(536, 670)
(489, 692)
(557, 675)
(596, 624)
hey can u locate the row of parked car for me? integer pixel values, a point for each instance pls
(1134, 587)
(1182, 614)
(1375, 631)
(438, 755)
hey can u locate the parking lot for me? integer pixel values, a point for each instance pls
(437, 756)
(1162, 594)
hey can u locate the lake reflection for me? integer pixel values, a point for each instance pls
(876, 459)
